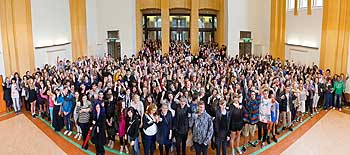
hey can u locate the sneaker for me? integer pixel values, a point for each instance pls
(79, 137)
(252, 144)
(263, 144)
(290, 129)
(333, 108)
(66, 132)
(76, 136)
(69, 133)
(339, 109)
(244, 149)
(121, 149)
(239, 150)
(33, 115)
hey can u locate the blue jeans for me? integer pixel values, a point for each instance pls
(328, 100)
(221, 143)
(68, 122)
(149, 144)
(201, 149)
(51, 113)
(135, 150)
(16, 104)
(337, 99)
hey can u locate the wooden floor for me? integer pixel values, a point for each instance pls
(69, 148)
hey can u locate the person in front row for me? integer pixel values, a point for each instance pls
(133, 130)
(99, 136)
(222, 127)
(181, 124)
(202, 130)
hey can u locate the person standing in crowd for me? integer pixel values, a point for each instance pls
(67, 109)
(84, 110)
(121, 113)
(251, 118)
(222, 128)
(310, 98)
(32, 97)
(236, 124)
(76, 105)
(6, 85)
(181, 124)
(133, 131)
(274, 117)
(318, 91)
(50, 98)
(149, 126)
(99, 136)
(110, 118)
(202, 130)
(264, 117)
(165, 126)
(58, 121)
(24, 93)
(15, 96)
(339, 88)
(347, 90)
(302, 96)
(286, 105)
(328, 100)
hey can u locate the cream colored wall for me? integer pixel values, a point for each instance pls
(51, 26)
(304, 30)
(107, 15)
(248, 15)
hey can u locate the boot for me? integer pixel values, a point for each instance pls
(274, 139)
(268, 139)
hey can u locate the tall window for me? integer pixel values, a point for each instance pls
(152, 27)
(207, 26)
(179, 27)
(303, 4)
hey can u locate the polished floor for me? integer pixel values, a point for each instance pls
(18, 136)
(330, 135)
(69, 145)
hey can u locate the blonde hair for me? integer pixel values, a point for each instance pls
(150, 108)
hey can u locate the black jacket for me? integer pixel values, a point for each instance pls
(219, 130)
(100, 137)
(133, 128)
(283, 102)
(181, 120)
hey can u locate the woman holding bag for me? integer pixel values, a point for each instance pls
(149, 125)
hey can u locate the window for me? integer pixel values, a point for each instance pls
(290, 4)
(302, 3)
(318, 3)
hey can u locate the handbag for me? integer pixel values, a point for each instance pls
(151, 130)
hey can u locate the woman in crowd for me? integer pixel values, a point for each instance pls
(32, 96)
(110, 118)
(149, 126)
(274, 117)
(236, 124)
(99, 135)
(58, 121)
(165, 126)
(15, 96)
(222, 127)
(121, 113)
(133, 131)
(6, 85)
(84, 110)
(76, 105)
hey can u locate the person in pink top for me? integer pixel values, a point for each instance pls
(50, 97)
(122, 127)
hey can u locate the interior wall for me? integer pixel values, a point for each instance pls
(2, 65)
(51, 26)
(304, 30)
(248, 15)
(111, 15)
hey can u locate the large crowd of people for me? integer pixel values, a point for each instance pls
(176, 100)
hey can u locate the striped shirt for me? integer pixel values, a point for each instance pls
(84, 116)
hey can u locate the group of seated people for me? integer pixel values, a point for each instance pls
(165, 100)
